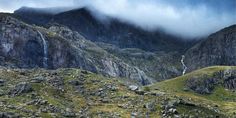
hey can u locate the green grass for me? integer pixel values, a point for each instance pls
(224, 99)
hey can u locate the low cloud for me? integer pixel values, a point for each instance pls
(186, 20)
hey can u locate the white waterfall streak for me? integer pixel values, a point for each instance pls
(183, 64)
(45, 51)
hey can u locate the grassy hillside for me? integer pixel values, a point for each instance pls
(78, 93)
(220, 99)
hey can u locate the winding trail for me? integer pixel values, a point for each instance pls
(45, 50)
(183, 64)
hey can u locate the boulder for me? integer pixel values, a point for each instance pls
(2, 82)
(38, 79)
(133, 87)
(8, 115)
(21, 88)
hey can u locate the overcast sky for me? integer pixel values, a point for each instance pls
(188, 18)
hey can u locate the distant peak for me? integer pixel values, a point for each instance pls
(52, 10)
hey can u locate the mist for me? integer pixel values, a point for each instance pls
(188, 18)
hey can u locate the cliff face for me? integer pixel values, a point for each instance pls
(27, 46)
(20, 43)
(218, 49)
(155, 53)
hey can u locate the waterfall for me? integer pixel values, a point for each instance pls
(45, 50)
(183, 64)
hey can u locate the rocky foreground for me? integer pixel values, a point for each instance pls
(78, 93)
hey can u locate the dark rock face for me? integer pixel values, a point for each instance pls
(32, 52)
(206, 84)
(38, 79)
(8, 115)
(202, 85)
(2, 82)
(217, 49)
(19, 43)
(229, 79)
(21, 88)
(230, 83)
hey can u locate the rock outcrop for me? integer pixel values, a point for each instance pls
(206, 84)
(21, 88)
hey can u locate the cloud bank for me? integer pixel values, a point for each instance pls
(186, 18)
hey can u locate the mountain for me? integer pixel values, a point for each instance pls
(27, 46)
(161, 51)
(110, 30)
(217, 49)
(77, 93)
(75, 63)
(33, 14)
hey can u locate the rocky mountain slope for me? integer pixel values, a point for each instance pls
(26, 46)
(109, 30)
(218, 49)
(77, 93)
(212, 87)
(161, 52)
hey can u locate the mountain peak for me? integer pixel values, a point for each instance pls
(51, 10)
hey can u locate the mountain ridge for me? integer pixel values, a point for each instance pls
(83, 18)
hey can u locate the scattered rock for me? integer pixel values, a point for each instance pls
(172, 110)
(8, 115)
(38, 79)
(105, 100)
(2, 92)
(85, 72)
(57, 82)
(140, 92)
(111, 87)
(185, 89)
(134, 115)
(69, 113)
(75, 82)
(20, 88)
(151, 106)
(133, 87)
(37, 102)
(2, 82)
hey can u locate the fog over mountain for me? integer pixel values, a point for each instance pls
(190, 19)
